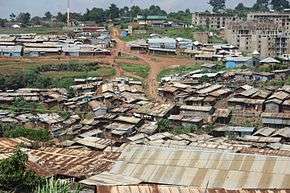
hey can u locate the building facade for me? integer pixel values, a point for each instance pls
(281, 19)
(214, 21)
(268, 38)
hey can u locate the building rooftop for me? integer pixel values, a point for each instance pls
(202, 168)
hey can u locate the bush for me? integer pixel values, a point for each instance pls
(14, 175)
(163, 125)
(57, 186)
(30, 78)
(14, 131)
(184, 129)
(20, 105)
(33, 79)
(138, 69)
(71, 66)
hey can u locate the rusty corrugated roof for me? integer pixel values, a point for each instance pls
(49, 161)
(72, 162)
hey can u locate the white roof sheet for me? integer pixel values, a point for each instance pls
(200, 168)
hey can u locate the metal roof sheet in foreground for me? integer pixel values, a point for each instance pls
(176, 189)
(200, 168)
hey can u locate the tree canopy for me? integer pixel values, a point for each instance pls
(217, 5)
(14, 175)
(23, 18)
(279, 5)
(261, 5)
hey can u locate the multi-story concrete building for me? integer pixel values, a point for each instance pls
(214, 21)
(268, 38)
(281, 19)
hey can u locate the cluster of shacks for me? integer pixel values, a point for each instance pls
(108, 136)
(32, 45)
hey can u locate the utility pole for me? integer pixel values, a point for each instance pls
(68, 13)
(206, 188)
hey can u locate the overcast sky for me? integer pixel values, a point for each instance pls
(39, 7)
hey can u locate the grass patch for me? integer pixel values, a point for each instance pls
(101, 72)
(60, 79)
(174, 33)
(22, 106)
(215, 39)
(15, 131)
(135, 36)
(137, 69)
(178, 70)
(182, 32)
(10, 66)
(128, 57)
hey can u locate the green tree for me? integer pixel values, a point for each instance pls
(261, 5)
(3, 22)
(135, 10)
(14, 175)
(113, 11)
(61, 17)
(125, 12)
(279, 5)
(96, 14)
(156, 10)
(241, 10)
(217, 5)
(240, 7)
(24, 18)
(181, 16)
(36, 20)
(12, 17)
(48, 16)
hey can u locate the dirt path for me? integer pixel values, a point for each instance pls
(156, 64)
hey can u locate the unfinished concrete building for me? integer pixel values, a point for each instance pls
(282, 19)
(214, 21)
(268, 38)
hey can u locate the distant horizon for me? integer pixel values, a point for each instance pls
(39, 7)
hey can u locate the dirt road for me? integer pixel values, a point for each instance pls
(156, 64)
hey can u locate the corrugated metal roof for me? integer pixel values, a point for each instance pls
(72, 162)
(95, 142)
(285, 132)
(279, 95)
(203, 168)
(270, 60)
(235, 129)
(10, 48)
(61, 161)
(177, 189)
(162, 40)
(39, 49)
(238, 59)
(155, 109)
(209, 89)
(110, 179)
(266, 132)
(196, 108)
(249, 92)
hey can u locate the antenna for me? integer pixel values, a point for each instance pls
(68, 12)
